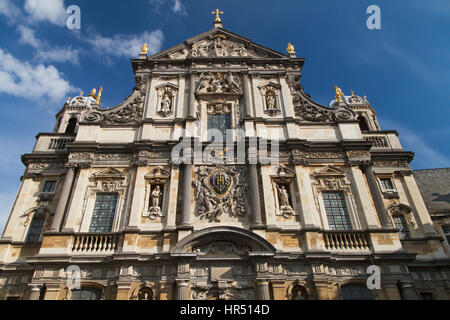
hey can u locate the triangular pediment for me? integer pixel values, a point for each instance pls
(329, 171)
(218, 43)
(109, 173)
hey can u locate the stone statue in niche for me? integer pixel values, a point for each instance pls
(269, 95)
(166, 103)
(283, 198)
(155, 203)
(271, 101)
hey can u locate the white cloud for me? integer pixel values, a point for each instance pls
(27, 36)
(126, 45)
(46, 10)
(176, 6)
(426, 156)
(9, 9)
(46, 53)
(22, 79)
(179, 8)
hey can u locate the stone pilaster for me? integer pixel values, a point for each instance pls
(64, 198)
(415, 198)
(363, 196)
(138, 199)
(376, 195)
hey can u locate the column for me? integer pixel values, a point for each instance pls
(376, 195)
(247, 96)
(192, 107)
(35, 291)
(187, 187)
(64, 198)
(408, 291)
(254, 196)
(263, 290)
(182, 289)
(364, 199)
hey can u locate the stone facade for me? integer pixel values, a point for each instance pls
(252, 227)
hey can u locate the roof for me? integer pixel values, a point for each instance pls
(434, 184)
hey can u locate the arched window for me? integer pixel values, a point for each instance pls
(86, 294)
(36, 226)
(363, 124)
(356, 292)
(145, 294)
(70, 129)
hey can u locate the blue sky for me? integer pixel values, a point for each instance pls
(403, 68)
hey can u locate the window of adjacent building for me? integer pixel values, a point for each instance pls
(400, 223)
(386, 184)
(50, 186)
(35, 229)
(355, 292)
(336, 209)
(220, 122)
(104, 212)
(426, 295)
(86, 294)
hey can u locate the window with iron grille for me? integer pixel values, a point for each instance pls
(400, 223)
(336, 209)
(86, 294)
(221, 122)
(35, 229)
(356, 292)
(50, 186)
(386, 184)
(104, 212)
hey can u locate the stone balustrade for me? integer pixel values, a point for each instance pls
(95, 243)
(346, 240)
(383, 140)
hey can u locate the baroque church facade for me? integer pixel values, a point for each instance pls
(144, 201)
